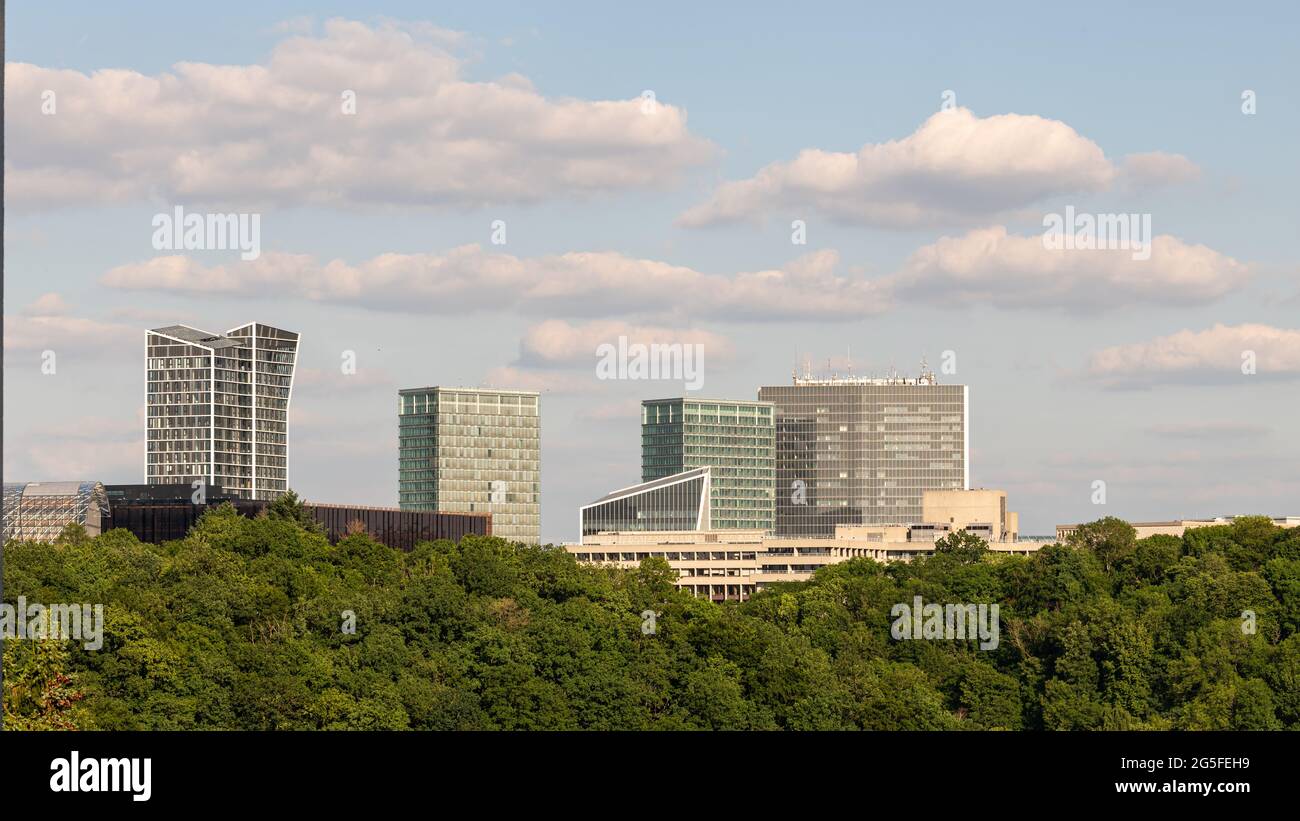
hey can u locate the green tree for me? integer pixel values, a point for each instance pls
(963, 546)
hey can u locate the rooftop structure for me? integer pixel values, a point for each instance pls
(38, 511)
(677, 502)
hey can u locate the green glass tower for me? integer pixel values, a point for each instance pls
(472, 450)
(735, 439)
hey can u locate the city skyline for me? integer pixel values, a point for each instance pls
(505, 193)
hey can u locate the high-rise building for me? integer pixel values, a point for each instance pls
(475, 450)
(864, 450)
(736, 440)
(217, 407)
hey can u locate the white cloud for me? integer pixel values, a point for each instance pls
(469, 278)
(50, 304)
(1157, 168)
(276, 132)
(558, 343)
(956, 168)
(988, 265)
(1213, 356)
(46, 325)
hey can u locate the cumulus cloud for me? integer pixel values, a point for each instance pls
(956, 168)
(1214, 356)
(470, 278)
(46, 325)
(1158, 168)
(50, 304)
(556, 343)
(988, 265)
(277, 132)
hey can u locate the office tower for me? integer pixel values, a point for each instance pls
(735, 440)
(217, 407)
(475, 450)
(863, 451)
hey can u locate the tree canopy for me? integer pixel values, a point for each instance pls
(262, 624)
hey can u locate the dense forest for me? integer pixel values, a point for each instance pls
(242, 625)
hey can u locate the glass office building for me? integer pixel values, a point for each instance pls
(862, 451)
(735, 440)
(473, 450)
(217, 407)
(678, 502)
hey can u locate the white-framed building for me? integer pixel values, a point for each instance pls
(217, 407)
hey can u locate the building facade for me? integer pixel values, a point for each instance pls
(217, 407)
(677, 502)
(1178, 527)
(864, 450)
(163, 513)
(734, 564)
(472, 450)
(735, 440)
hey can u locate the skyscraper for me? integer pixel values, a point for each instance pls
(472, 450)
(862, 451)
(736, 440)
(217, 407)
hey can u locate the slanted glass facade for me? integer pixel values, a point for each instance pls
(679, 502)
(735, 440)
(862, 451)
(473, 450)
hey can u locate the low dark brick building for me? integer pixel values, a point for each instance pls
(160, 513)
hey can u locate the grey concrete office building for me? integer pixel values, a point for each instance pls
(472, 450)
(863, 450)
(217, 407)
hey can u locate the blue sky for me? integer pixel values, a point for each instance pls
(1175, 431)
